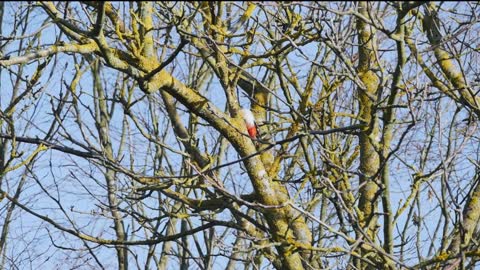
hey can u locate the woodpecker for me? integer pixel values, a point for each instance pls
(249, 119)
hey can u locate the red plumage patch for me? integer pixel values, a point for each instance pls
(252, 131)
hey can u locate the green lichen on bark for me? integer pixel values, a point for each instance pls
(369, 159)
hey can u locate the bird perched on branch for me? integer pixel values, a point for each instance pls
(249, 119)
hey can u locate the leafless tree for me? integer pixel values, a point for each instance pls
(122, 145)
